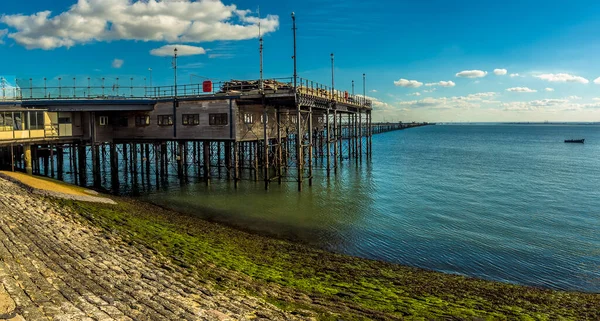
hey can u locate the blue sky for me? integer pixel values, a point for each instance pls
(424, 60)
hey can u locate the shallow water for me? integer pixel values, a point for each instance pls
(502, 202)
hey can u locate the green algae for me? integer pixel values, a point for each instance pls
(330, 286)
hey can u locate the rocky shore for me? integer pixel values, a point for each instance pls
(53, 267)
(64, 259)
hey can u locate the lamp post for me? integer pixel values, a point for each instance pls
(332, 78)
(150, 70)
(364, 89)
(294, 57)
(175, 93)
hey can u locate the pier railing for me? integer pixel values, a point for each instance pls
(130, 88)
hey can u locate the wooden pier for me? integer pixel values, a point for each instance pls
(262, 130)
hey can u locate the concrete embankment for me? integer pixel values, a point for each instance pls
(53, 267)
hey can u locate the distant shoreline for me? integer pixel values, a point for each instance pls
(520, 123)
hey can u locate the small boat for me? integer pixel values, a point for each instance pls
(577, 141)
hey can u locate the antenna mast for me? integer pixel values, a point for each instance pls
(260, 39)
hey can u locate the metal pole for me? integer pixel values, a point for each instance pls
(332, 79)
(352, 87)
(299, 158)
(261, 54)
(294, 57)
(328, 128)
(364, 89)
(175, 93)
(310, 147)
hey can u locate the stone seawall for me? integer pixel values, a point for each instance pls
(52, 267)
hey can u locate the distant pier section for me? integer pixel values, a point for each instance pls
(271, 130)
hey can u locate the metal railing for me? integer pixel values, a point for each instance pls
(113, 89)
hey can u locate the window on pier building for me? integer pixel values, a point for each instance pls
(165, 120)
(248, 118)
(19, 121)
(218, 119)
(190, 119)
(122, 121)
(36, 120)
(6, 121)
(142, 120)
(262, 119)
(64, 120)
(103, 120)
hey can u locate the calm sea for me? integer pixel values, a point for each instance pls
(512, 203)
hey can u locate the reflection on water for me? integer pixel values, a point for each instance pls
(504, 202)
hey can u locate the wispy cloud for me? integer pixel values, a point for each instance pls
(500, 72)
(449, 83)
(221, 55)
(549, 89)
(182, 50)
(471, 74)
(117, 63)
(521, 90)
(408, 83)
(562, 77)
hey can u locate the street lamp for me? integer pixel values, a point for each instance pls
(365, 88)
(150, 70)
(332, 78)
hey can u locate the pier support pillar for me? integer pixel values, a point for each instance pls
(96, 176)
(310, 146)
(28, 160)
(60, 162)
(206, 152)
(81, 166)
(180, 159)
(114, 167)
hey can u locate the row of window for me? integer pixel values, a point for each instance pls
(32, 120)
(167, 120)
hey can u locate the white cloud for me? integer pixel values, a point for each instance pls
(460, 102)
(563, 78)
(144, 20)
(408, 83)
(414, 94)
(472, 74)
(549, 89)
(117, 63)
(515, 75)
(537, 105)
(373, 91)
(596, 81)
(449, 83)
(574, 98)
(521, 90)
(500, 72)
(182, 50)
